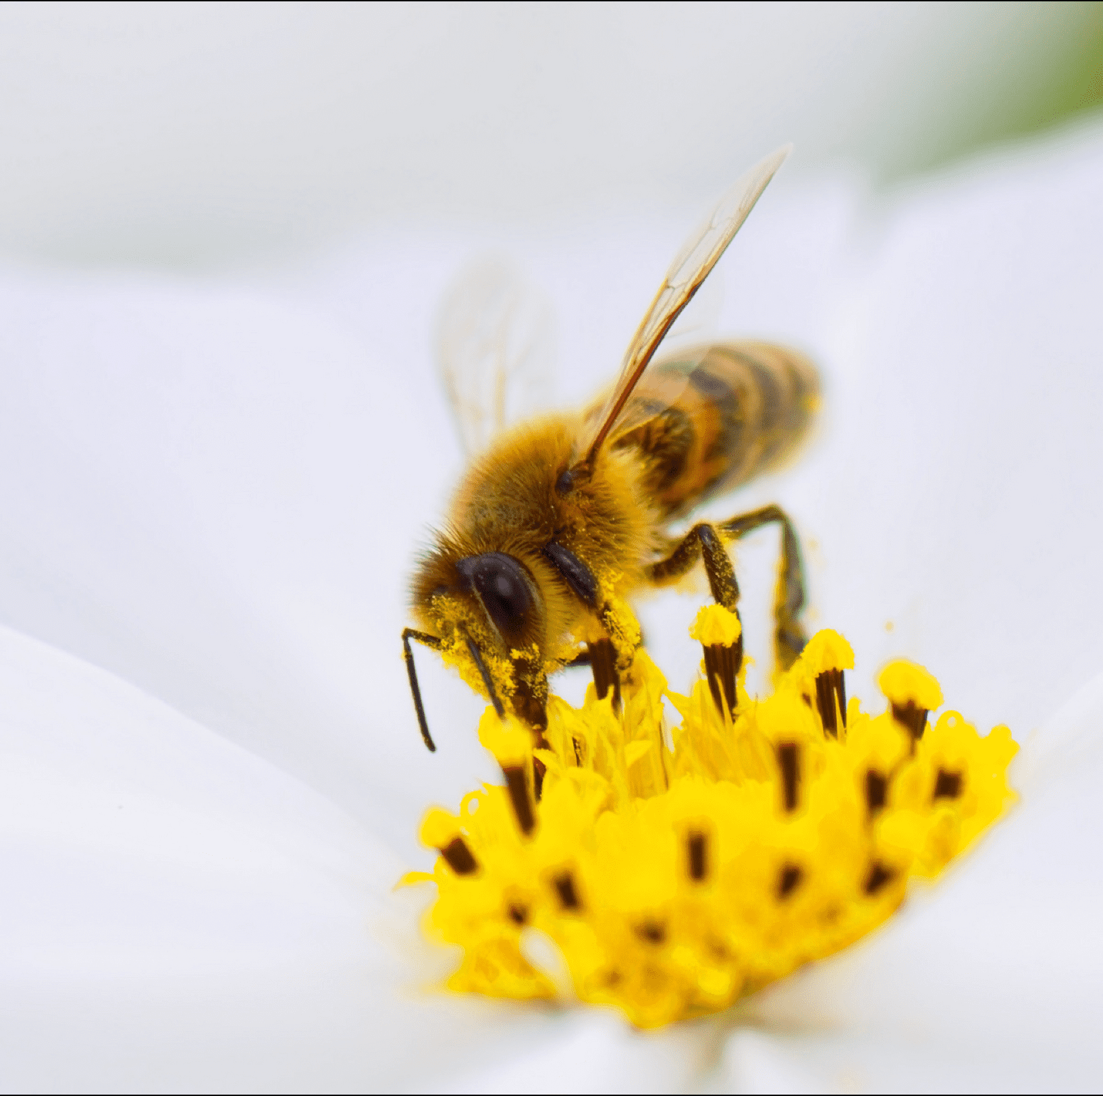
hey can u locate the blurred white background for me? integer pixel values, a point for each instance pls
(200, 133)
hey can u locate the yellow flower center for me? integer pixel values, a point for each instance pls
(678, 869)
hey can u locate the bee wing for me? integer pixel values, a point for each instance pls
(493, 350)
(692, 265)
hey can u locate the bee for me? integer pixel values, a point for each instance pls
(560, 520)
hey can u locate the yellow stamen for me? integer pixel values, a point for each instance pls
(912, 692)
(679, 869)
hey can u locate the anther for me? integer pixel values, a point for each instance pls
(831, 700)
(879, 875)
(789, 879)
(458, 857)
(518, 914)
(651, 931)
(912, 717)
(788, 757)
(720, 633)
(722, 665)
(947, 785)
(603, 663)
(518, 790)
(877, 787)
(697, 850)
(564, 887)
(913, 694)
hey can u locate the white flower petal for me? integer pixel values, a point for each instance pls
(595, 1051)
(198, 496)
(181, 914)
(214, 493)
(966, 438)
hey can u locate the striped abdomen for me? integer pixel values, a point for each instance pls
(743, 409)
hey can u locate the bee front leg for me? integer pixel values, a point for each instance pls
(600, 656)
(580, 658)
(605, 657)
(603, 665)
(530, 698)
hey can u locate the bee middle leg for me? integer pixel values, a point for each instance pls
(789, 634)
(701, 542)
(704, 542)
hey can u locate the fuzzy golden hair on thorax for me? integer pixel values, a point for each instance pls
(509, 503)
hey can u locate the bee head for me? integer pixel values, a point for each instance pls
(489, 608)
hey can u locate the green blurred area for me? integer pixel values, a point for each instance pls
(1068, 87)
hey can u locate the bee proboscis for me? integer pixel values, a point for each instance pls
(562, 518)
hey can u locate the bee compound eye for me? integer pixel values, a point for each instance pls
(504, 589)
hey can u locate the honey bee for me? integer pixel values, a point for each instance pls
(561, 519)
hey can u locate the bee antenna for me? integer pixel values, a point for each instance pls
(476, 654)
(415, 689)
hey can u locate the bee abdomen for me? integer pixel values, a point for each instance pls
(745, 409)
